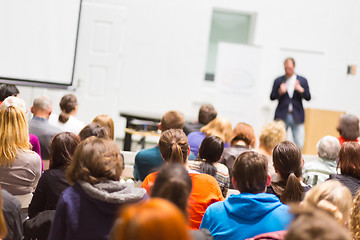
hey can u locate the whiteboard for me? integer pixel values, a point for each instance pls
(38, 41)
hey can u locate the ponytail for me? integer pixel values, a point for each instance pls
(210, 152)
(176, 155)
(208, 168)
(64, 117)
(293, 191)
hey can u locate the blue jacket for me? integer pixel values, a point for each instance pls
(246, 215)
(296, 100)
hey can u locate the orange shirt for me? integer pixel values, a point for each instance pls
(205, 191)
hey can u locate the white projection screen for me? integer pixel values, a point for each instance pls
(38, 41)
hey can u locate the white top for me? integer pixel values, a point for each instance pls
(72, 125)
(290, 85)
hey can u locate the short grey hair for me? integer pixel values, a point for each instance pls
(42, 102)
(15, 102)
(328, 147)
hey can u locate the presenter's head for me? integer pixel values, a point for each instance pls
(42, 107)
(289, 66)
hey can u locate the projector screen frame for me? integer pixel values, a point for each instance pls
(35, 83)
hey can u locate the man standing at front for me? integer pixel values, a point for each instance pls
(290, 89)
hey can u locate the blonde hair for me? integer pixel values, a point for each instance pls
(272, 134)
(355, 218)
(332, 197)
(14, 134)
(106, 121)
(220, 127)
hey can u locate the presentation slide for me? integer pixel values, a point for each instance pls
(38, 40)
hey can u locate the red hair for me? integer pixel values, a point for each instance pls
(156, 219)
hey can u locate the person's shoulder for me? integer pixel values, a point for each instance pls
(279, 79)
(300, 78)
(146, 152)
(203, 178)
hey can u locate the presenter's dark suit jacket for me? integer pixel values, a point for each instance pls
(296, 100)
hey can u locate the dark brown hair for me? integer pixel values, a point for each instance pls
(244, 132)
(174, 146)
(348, 127)
(173, 183)
(288, 163)
(62, 148)
(172, 120)
(210, 152)
(7, 90)
(95, 160)
(67, 104)
(349, 159)
(250, 172)
(207, 113)
(94, 129)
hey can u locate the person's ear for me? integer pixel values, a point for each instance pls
(268, 181)
(234, 183)
(159, 126)
(188, 154)
(32, 109)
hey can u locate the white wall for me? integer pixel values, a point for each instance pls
(150, 56)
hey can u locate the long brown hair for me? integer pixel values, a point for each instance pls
(3, 228)
(174, 146)
(288, 163)
(349, 159)
(67, 104)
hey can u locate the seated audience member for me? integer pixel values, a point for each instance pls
(94, 129)
(271, 135)
(332, 197)
(7, 90)
(288, 164)
(53, 181)
(156, 219)
(349, 164)
(207, 162)
(220, 127)
(251, 212)
(66, 121)
(149, 160)
(175, 149)
(51, 184)
(20, 103)
(242, 139)
(173, 183)
(106, 121)
(20, 168)
(310, 224)
(11, 212)
(39, 125)
(318, 170)
(355, 218)
(207, 113)
(86, 210)
(348, 128)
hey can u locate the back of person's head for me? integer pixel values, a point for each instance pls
(355, 218)
(106, 121)
(332, 197)
(348, 127)
(156, 219)
(42, 103)
(328, 148)
(349, 159)
(3, 228)
(174, 147)
(172, 120)
(68, 104)
(243, 132)
(288, 164)
(14, 134)
(62, 148)
(94, 129)
(7, 90)
(250, 172)
(14, 101)
(95, 160)
(173, 183)
(310, 224)
(220, 127)
(272, 134)
(207, 113)
(210, 152)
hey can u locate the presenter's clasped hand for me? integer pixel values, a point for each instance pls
(298, 87)
(282, 89)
